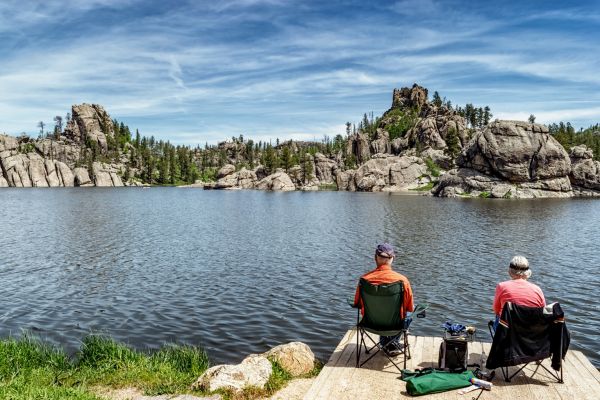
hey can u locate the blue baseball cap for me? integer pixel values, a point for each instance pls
(385, 250)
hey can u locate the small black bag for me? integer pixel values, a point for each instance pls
(453, 354)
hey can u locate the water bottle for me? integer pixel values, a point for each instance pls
(481, 383)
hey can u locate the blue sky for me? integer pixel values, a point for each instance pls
(195, 72)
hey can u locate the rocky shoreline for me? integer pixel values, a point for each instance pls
(416, 145)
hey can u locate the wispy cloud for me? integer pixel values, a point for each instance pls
(193, 72)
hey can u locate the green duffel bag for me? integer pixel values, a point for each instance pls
(429, 380)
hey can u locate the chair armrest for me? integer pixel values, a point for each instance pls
(351, 303)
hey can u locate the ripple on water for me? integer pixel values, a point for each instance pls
(239, 272)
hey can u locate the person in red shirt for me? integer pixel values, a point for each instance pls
(384, 256)
(518, 289)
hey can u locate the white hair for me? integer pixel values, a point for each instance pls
(519, 268)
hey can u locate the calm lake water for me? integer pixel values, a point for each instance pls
(241, 271)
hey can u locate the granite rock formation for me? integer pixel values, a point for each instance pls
(510, 159)
(585, 172)
(296, 358)
(90, 124)
(254, 371)
(57, 162)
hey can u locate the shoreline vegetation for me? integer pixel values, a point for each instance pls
(420, 144)
(34, 369)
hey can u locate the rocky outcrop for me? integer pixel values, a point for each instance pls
(517, 152)
(381, 144)
(82, 177)
(433, 129)
(106, 175)
(243, 179)
(345, 180)
(90, 124)
(279, 181)
(585, 172)
(324, 168)
(225, 170)
(358, 146)
(466, 182)
(253, 371)
(32, 170)
(68, 153)
(510, 159)
(388, 173)
(414, 97)
(296, 358)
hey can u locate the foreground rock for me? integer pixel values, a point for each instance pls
(295, 357)
(254, 370)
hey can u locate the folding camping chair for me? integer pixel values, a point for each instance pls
(382, 304)
(529, 334)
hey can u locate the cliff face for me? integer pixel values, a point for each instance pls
(55, 163)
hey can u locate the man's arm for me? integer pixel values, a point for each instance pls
(408, 297)
(357, 297)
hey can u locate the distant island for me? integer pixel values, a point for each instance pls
(419, 145)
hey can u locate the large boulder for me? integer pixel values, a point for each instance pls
(517, 152)
(254, 370)
(279, 181)
(243, 179)
(90, 124)
(405, 172)
(585, 172)
(296, 358)
(388, 173)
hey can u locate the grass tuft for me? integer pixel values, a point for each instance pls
(32, 369)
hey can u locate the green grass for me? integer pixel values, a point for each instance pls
(32, 369)
(328, 186)
(424, 188)
(485, 195)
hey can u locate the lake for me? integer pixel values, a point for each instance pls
(241, 271)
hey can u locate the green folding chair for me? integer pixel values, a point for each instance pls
(382, 317)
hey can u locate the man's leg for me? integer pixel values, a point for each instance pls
(390, 345)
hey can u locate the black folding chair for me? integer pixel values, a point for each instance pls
(529, 335)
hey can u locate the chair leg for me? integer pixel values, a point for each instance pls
(358, 346)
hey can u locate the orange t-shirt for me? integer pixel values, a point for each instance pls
(382, 275)
(518, 291)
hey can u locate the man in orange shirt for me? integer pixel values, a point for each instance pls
(384, 256)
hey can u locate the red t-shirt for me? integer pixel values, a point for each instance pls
(385, 274)
(518, 291)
